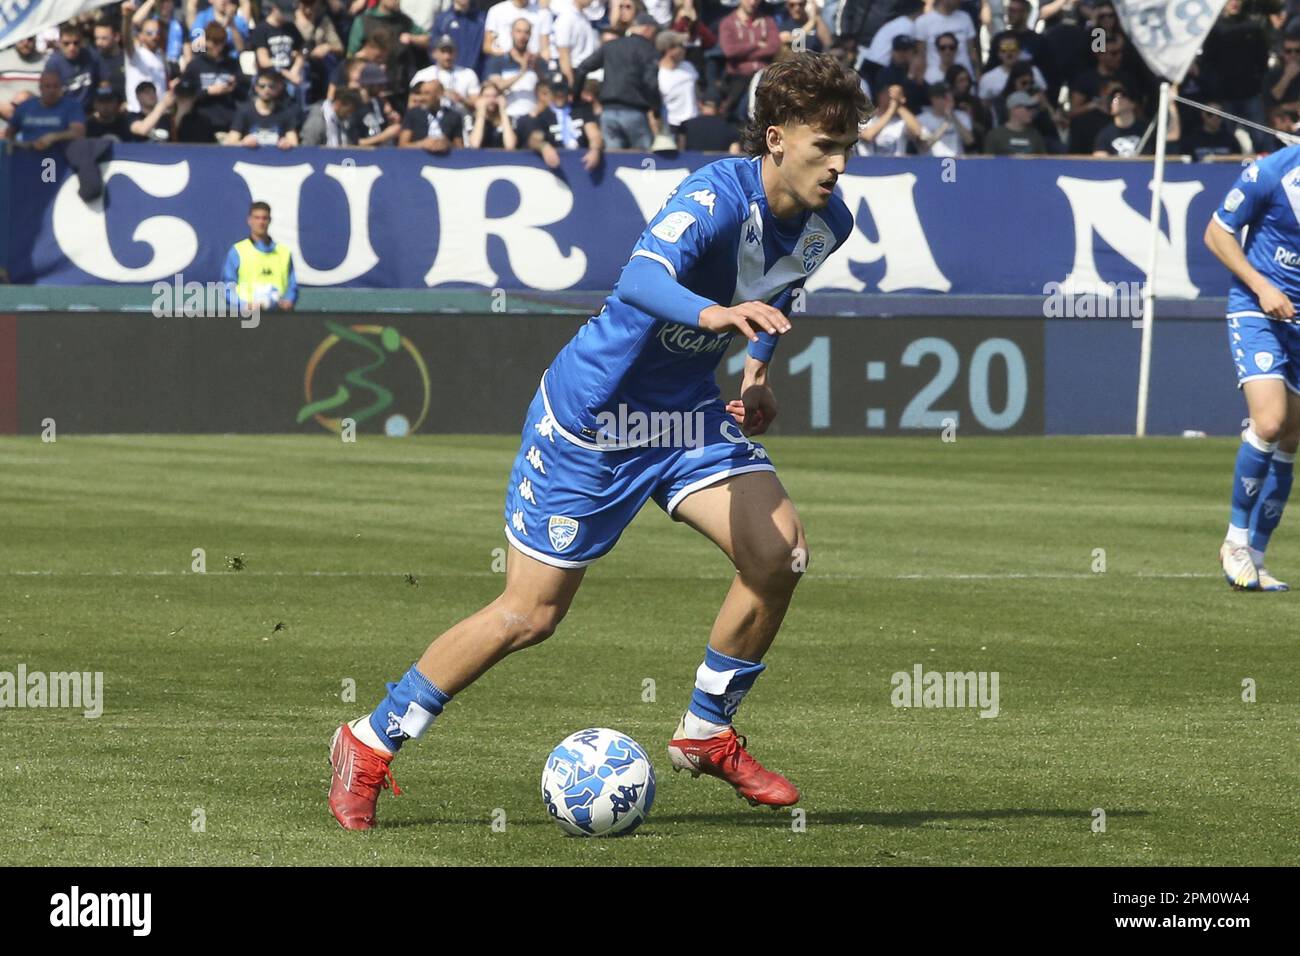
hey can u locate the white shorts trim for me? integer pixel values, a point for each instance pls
(546, 558)
(1250, 314)
(713, 479)
(1254, 378)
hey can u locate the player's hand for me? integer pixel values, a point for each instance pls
(755, 410)
(1276, 305)
(747, 318)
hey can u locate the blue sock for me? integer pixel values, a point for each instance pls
(1252, 466)
(1272, 500)
(720, 685)
(408, 710)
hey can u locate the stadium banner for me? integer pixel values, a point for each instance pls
(1168, 33)
(476, 372)
(20, 19)
(399, 219)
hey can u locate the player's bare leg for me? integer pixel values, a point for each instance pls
(1271, 499)
(535, 600)
(752, 520)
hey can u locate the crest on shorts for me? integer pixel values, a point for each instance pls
(562, 531)
(1263, 361)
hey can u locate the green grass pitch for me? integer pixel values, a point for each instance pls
(1120, 690)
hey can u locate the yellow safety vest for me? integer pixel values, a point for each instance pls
(263, 276)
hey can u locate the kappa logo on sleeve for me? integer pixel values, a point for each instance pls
(705, 197)
(1251, 174)
(671, 227)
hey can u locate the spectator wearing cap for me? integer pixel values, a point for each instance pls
(557, 124)
(377, 123)
(464, 23)
(279, 45)
(905, 68)
(1017, 136)
(108, 119)
(947, 29)
(947, 130)
(492, 127)
(47, 120)
(430, 123)
(515, 73)
(1127, 124)
(208, 92)
(629, 93)
(258, 270)
(994, 80)
(1087, 116)
(77, 66)
(879, 53)
(498, 28)
(709, 132)
(802, 28)
(750, 42)
(677, 80)
(573, 38)
(108, 47)
(460, 84)
(329, 122)
(269, 118)
(20, 75)
(146, 59)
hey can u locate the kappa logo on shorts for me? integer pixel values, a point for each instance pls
(1263, 361)
(562, 531)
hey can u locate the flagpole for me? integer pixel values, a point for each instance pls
(1149, 288)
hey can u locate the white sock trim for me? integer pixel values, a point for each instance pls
(697, 728)
(1237, 535)
(1254, 441)
(1286, 457)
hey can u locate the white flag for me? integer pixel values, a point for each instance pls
(20, 19)
(1168, 33)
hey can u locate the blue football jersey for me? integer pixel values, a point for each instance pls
(1265, 200)
(715, 237)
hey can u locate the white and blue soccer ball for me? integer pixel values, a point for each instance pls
(598, 782)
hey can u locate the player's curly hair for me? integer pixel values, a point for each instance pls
(811, 88)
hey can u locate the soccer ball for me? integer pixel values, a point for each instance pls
(598, 782)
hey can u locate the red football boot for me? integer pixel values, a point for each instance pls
(725, 757)
(360, 772)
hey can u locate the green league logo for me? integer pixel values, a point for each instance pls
(382, 345)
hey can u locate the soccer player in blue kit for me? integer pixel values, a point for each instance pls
(722, 257)
(1265, 344)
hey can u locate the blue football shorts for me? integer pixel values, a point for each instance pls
(568, 501)
(1265, 348)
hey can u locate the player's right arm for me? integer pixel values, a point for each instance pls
(1242, 207)
(676, 239)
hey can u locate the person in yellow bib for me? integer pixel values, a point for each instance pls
(259, 270)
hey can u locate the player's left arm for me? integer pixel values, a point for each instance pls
(757, 407)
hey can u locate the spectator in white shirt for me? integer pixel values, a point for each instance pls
(677, 79)
(573, 38)
(945, 18)
(994, 81)
(500, 20)
(459, 83)
(947, 130)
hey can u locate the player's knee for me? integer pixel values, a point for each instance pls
(777, 563)
(526, 626)
(1269, 426)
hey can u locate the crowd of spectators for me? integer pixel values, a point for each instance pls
(947, 77)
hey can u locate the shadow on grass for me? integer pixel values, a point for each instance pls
(757, 816)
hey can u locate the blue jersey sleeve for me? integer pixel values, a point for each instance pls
(694, 217)
(1247, 199)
